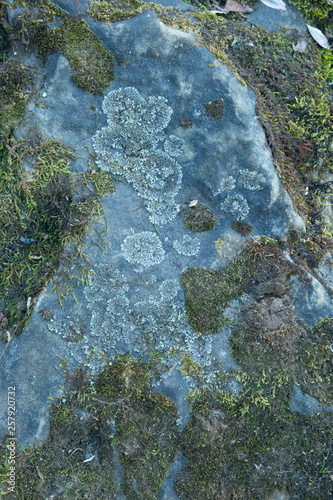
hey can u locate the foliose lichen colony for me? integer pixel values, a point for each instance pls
(135, 148)
(146, 307)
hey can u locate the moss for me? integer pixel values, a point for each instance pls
(108, 11)
(199, 218)
(252, 455)
(185, 123)
(40, 218)
(208, 292)
(91, 63)
(214, 109)
(242, 228)
(318, 12)
(243, 440)
(314, 357)
(15, 82)
(101, 180)
(81, 428)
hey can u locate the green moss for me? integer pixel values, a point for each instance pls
(315, 359)
(108, 11)
(242, 228)
(91, 63)
(199, 218)
(82, 426)
(214, 109)
(317, 12)
(101, 180)
(208, 292)
(327, 60)
(243, 440)
(39, 219)
(185, 123)
(15, 83)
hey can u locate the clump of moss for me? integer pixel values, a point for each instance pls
(318, 12)
(253, 454)
(119, 415)
(108, 11)
(40, 218)
(91, 63)
(15, 83)
(199, 219)
(242, 228)
(243, 440)
(214, 109)
(316, 362)
(185, 122)
(101, 180)
(207, 292)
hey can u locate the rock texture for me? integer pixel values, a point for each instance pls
(175, 126)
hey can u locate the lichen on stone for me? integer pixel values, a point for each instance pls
(251, 180)
(187, 246)
(143, 249)
(226, 184)
(134, 147)
(169, 289)
(235, 205)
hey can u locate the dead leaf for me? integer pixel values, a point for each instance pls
(231, 6)
(275, 4)
(318, 36)
(300, 46)
(193, 203)
(234, 6)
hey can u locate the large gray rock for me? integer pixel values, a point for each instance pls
(135, 302)
(175, 126)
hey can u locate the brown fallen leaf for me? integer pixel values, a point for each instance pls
(231, 6)
(234, 6)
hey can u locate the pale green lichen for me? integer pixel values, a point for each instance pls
(251, 180)
(187, 246)
(235, 205)
(169, 289)
(226, 184)
(143, 249)
(131, 148)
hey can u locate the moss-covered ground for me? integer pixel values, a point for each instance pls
(91, 63)
(116, 422)
(208, 292)
(43, 211)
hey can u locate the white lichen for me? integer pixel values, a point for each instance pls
(226, 184)
(143, 249)
(187, 246)
(135, 148)
(169, 289)
(251, 180)
(235, 205)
